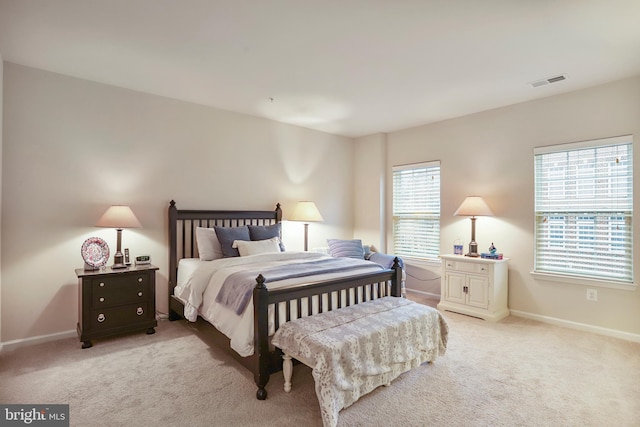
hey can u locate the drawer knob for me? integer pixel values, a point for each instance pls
(139, 279)
(101, 299)
(139, 311)
(139, 294)
(102, 284)
(101, 317)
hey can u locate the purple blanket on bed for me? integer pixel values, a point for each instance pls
(237, 289)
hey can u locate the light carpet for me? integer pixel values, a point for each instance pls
(513, 373)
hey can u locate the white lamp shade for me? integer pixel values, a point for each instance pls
(307, 212)
(473, 206)
(119, 216)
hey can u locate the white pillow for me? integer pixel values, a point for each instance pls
(256, 247)
(208, 244)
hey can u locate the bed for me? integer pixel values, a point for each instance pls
(268, 308)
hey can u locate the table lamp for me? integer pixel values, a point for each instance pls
(306, 212)
(473, 206)
(119, 217)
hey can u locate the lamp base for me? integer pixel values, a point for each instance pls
(306, 237)
(118, 259)
(473, 250)
(118, 266)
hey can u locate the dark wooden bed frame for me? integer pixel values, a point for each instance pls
(267, 360)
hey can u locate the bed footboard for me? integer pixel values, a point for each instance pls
(314, 298)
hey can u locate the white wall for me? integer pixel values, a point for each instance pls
(369, 185)
(491, 154)
(74, 147)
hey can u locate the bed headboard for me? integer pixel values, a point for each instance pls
(183, 224)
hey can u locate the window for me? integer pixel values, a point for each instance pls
(584, 209)
(416, 210)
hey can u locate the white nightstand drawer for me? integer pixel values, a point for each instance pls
(467, 267)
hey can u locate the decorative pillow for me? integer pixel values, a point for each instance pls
(227, 235)
(385, 260)
(264, 232)
(257, 246)
(346, 248)
(208, 244)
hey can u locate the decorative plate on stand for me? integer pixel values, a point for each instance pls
(95, 253)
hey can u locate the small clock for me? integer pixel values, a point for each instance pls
(143, 259)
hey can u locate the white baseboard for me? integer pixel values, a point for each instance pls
(579, 326)
(12, 345)
(426, 294)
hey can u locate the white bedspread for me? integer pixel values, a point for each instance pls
(198, 291)
(354, 350)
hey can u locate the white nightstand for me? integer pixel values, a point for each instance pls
(475, 286)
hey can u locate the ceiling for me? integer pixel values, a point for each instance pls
(348, 67)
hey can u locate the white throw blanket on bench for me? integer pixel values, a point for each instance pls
(354, 350)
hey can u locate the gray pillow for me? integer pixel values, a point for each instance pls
(346, 248)
(265, 232)
(227, 235)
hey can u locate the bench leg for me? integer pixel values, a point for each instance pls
(287, 370)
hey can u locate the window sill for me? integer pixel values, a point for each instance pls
(573, 280)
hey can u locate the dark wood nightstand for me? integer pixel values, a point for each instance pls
(111, 301)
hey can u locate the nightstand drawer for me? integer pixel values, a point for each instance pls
(121, 316)
(123, 290)
(105, 282)
(467, 267)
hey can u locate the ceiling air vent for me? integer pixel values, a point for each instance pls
(549, 80)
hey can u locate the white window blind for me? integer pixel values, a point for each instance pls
(416, 210)
(584, 209)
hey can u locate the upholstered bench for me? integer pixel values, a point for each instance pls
(355, 349)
